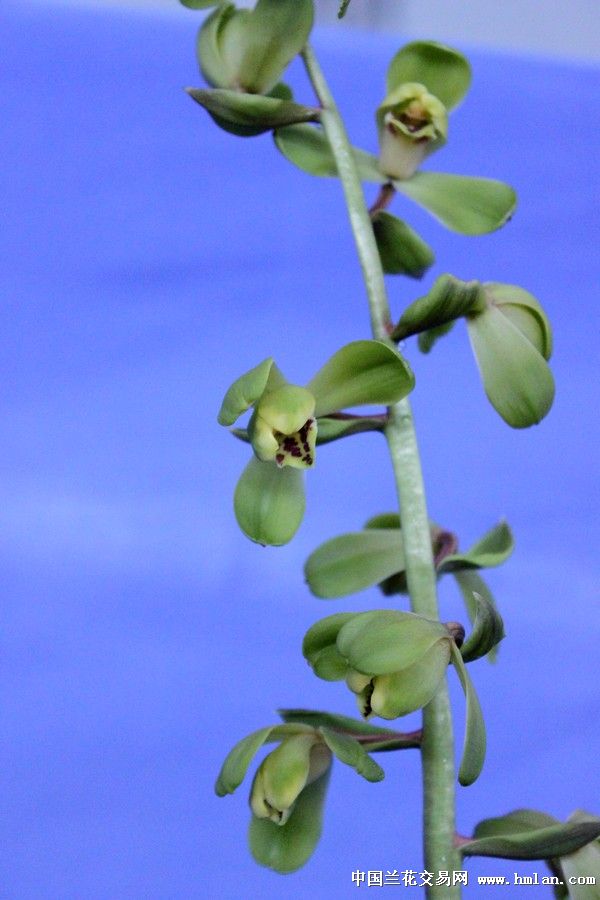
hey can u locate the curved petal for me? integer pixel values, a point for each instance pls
(492, 549)
(487, 631)
(448, 299)
(403, 692)
(463, 204)
(238, 760)
(361, 373)
(385, 641)
(471, 585)
(473, 754)
(351, 753)
(269, 502)
(244, 392)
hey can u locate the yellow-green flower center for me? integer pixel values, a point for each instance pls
(284, 429)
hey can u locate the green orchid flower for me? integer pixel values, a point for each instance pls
(425, 82)
(289, 787)
(269, 498)
(395, 662)
(409, 120)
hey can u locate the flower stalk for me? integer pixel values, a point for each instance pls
(437, 750)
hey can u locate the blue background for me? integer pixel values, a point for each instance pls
(147, 259)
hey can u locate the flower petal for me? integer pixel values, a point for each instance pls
(238, 760)
(244, 392)
(403, 692)
(351, 753)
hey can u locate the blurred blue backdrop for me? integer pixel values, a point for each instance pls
(148, 259)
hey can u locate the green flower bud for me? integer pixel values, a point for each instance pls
(284, 773)
(410, 120)
(248, 49)
(283, 427)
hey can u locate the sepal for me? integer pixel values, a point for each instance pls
(247, 115)
(524, 311)
(487, 631)
(351, 753)
(375, 739)
(491, 550)
(286, 848)
(401, 250)
(527, 834)
(445, 72)
(308, 149)
(269, 502)
(384, 641)
(474, 744)
(354, 561)
(234, 769)
(472, 586)
(449, 299)
(461, 203)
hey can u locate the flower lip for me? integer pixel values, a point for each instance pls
(283, 428)
(285, 772)
(411, 110)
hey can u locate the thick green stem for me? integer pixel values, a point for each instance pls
(437, 746)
